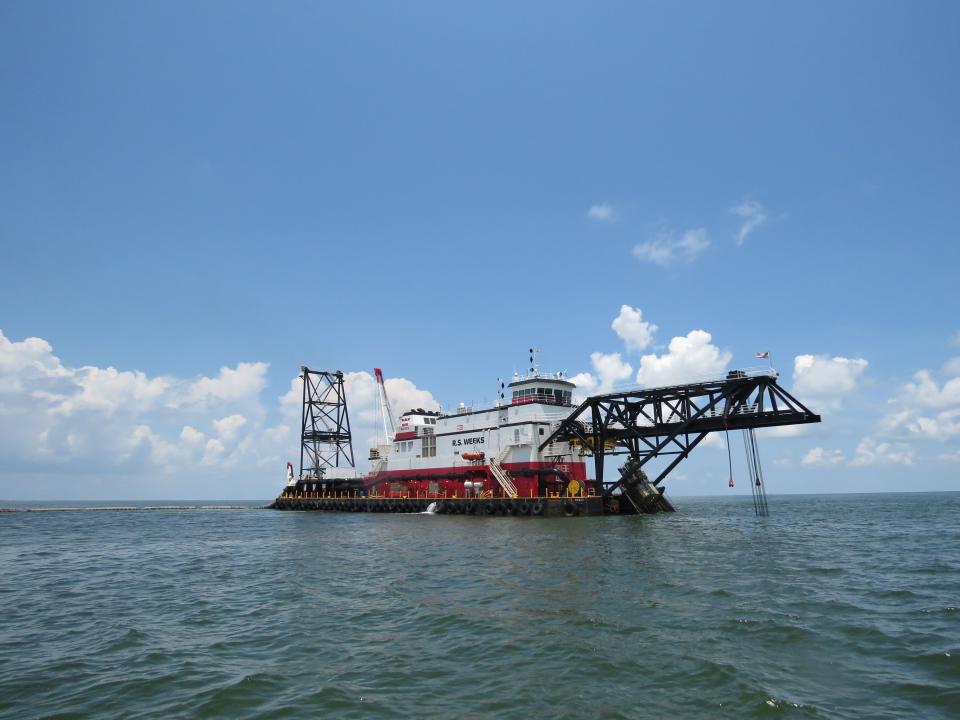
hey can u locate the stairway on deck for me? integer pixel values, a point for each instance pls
(501, 475)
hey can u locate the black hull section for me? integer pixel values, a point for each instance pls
(485, 507)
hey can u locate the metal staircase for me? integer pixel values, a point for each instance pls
(501, 475)
(380, 465)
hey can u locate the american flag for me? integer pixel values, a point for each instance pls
(763, 355)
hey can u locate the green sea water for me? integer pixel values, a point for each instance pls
(833, 607)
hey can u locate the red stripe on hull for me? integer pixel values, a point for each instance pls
(533, 479)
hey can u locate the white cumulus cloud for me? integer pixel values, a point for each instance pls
(245, 380)
(871, 452)
(819, 456)
(688, 358)
(752, 215)
(821, 381)
(586, 383)
(925, 392)
(609, 369)
(629, 325)
(951, 368)
(666, 249)
(602, 213)
(228, 427)
(926, 409)
(138, 431)
(146, 433)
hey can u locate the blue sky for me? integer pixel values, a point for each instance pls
(187, 187)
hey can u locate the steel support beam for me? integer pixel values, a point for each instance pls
(672, 421)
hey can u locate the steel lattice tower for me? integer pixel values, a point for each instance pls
(325, 440)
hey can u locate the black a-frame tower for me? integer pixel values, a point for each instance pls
(325, 440)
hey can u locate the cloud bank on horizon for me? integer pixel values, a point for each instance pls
(224, 432)
(97, 432)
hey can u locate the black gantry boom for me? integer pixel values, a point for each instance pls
(672, 421)
(325, 439)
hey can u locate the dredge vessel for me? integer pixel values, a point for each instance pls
(529, 453)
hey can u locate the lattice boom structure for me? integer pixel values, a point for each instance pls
(325, 439)
(672, 421)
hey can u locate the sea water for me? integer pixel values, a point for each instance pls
(841, 606)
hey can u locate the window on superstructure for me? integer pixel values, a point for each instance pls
(429, 448)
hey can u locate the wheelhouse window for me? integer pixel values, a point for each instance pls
(546, 395)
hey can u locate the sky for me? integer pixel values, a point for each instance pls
(198, 198)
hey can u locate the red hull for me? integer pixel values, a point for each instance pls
(535, 479)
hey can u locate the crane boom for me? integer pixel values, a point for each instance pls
(383, 407)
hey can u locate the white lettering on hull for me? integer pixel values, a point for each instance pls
(460, 442)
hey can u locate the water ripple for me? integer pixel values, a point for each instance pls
(839, 607)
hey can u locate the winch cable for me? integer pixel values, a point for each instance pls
(729, 457)
(726, 431)
(757, 488)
